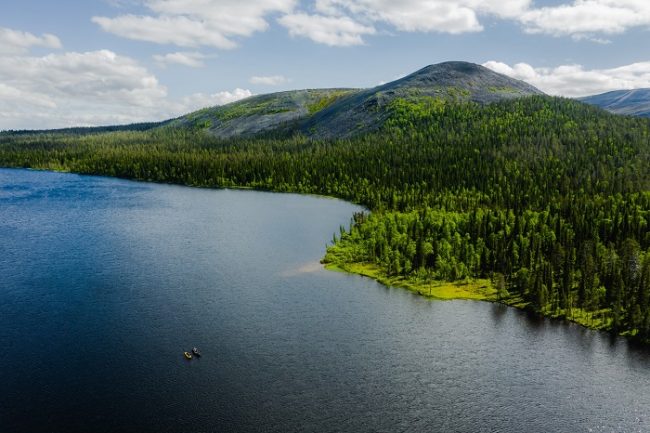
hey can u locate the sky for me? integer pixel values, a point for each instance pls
(98, 62)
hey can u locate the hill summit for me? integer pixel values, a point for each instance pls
(472, 81)
(332, 113)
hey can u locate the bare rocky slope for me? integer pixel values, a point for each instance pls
(333, 113)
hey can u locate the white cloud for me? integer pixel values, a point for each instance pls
(73, 88)
(581, 19)
(221, 23)
(409, 15)
(328, 30)
(444, 16)
(345, 22)
(192, 59)
(17, 42)
(585, 18)
(273, 80)
(575, 80)
(197, 101)
(14, 96)
(500, 8)
(90, 88)
(99, 74)
(395, 78)
(194, 23)
(180, 31)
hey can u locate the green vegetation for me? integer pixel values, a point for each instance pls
(477, 289)
(250, 107)
(502, 89)
(326, 101)
(455, 93)
(542, 203)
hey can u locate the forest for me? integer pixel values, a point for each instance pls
(547, 197)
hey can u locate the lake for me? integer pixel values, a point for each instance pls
(105, 282)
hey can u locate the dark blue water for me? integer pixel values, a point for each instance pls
(104, 283)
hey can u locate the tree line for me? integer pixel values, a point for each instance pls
(547, 196)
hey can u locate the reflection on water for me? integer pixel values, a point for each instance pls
(105, 282)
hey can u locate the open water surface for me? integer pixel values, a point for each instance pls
(105, 282)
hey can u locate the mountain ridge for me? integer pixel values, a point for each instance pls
(337, 112)
(632, 102)
(454, 80)
(343, 112)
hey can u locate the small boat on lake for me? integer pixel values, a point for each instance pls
(196, 352)
(188, 355)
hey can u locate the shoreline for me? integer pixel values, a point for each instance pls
(186, 185)
(470, 289)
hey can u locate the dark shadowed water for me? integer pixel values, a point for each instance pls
(104, 283)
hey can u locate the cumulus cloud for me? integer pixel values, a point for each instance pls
(575, 80)
(10, 95)
(61, 89)
(98, 74)
(273, 80)
(197, 101)
(192, 59)
(328, 30)
(194, 23)
(500, 8)
(18, 42)
(581, 19)
(409, 15)
(89, 88)
(221, 23)
(346, 22)
(585, 18)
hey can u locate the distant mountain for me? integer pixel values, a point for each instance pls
(333, 113)
(630, 102)
(84, 130)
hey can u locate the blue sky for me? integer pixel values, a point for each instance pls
(119, 61)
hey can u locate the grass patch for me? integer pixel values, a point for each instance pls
(326, 101)
(250, 107)
(503, 89)
(470, 289)
(478, 289)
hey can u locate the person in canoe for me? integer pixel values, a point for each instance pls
(187, 355)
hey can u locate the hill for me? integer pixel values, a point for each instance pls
(367, 110)
(338, 112)
(629, 102)
(261, 114)
(330, 113)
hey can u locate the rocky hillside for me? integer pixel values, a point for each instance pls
(459, 81)
(331, 113)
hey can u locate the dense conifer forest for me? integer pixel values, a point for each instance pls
(547, 197)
